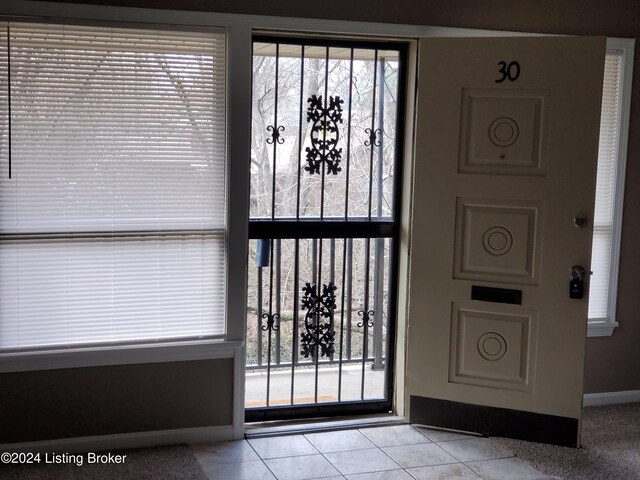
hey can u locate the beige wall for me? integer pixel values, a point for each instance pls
(52, 404)
(604, 17)
(104, 400)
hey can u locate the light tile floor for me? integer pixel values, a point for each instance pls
(401, 452)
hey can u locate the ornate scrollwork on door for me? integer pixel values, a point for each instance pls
(324, 134)
(367, 318)
(275, 134)
(319, 334)
(373, 139)
(272, 322)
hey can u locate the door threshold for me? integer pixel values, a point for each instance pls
(313, 425)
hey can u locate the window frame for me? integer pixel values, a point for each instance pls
(604, 327)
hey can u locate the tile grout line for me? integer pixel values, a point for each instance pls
(295, 456)
(376, 447)
(261, 459)
(330, 462)
(479, 476)
(429, 442)
(405, 469)
(381, 448)
(234, 463)
(458, 460)
(394, 460)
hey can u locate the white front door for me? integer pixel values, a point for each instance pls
(506, 151)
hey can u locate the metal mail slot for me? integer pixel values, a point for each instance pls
(496, 295)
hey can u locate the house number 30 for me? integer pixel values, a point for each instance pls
(509, 71)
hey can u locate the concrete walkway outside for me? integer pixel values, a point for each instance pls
(304, 385)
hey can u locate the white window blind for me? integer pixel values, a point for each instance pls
(605, 189)
(112, 213)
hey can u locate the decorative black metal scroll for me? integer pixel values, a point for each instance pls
(271, 322)
(318, 321)
(275, 134)
(324, 134)
(373, 137)
(367, 318)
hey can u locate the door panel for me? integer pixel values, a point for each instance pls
(501, 131)
(506, 157)
(493, 348)
(496, 240)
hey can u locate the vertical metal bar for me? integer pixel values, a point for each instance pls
(275, 132)
(278, 264)
(378, 279)
(346, 187)
(317, 322)
(332, 272)
(373, 120)
(349, 295)
(268, 364)
(344, 242)
(378, 292)
(314, 259)
(300, 138)
(269, 324)
(322, 184)
(389, 316)
(332, 260)
(365, 316)
(296, 268)
(380, 146)
(259, 334)
(294, 349)
(347, 269)
(9, 135)
(342, 305)
(324, 133)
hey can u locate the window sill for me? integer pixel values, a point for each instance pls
(118, 355)
(600, 328)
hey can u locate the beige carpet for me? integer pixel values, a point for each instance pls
(610, 447)
(159, 463)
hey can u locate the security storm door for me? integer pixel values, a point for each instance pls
(327, 129)
(507, 141)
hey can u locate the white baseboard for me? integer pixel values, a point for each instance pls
(610, 398)
(125, 440)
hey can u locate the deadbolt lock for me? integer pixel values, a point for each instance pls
(576, 284)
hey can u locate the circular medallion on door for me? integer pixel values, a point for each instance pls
(492, 346)
(504, 131)
(497, 241)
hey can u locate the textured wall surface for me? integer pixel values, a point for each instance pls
(76, 402)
